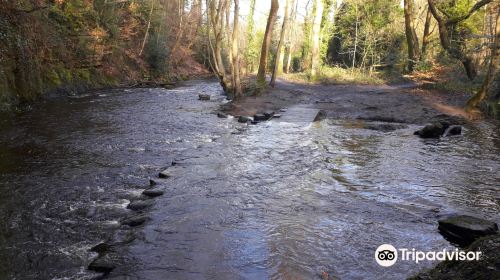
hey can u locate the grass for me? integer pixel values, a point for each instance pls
(336, 75)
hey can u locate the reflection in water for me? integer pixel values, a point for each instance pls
(274, 201)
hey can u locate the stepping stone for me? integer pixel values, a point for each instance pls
(152, 182)
(203, 97)
(463, 229)
(102, 264)
(139, 204)
(260, 118)
(222, 115)
(135, 220)
(299, 114)
(171, 171)
(244, 119)
(153, 192)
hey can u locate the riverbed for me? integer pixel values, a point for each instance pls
(277, 200)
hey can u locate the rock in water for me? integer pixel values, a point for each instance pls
(453, 130)
(139, 205)
(320, 116)
(153, 192)
(244, 119)
(135, 220)
(269, 114)
(222, 115)
(260, 118)
(434, 130)
(463, 229)
(204, 97)
(102, 264)
(152, 182)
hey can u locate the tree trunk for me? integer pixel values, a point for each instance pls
(316, 30)
(445, 22)
(278, 63)
(215, 12)
(425, 37)
(492, 70)
(228, 34)
(261, 73)
(250, 30)
(289, 45)
(235, 52)
(411, 37)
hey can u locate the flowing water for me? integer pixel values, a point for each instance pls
(278, 200)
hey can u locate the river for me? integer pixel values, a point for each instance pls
(276, 200)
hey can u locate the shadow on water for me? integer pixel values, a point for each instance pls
(274, 201)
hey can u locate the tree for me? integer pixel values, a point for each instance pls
(427, 33)
(235, 53)
(215, 10)
(492, 67)
(278, 63)
(289, 42)
(261, 73)
(411, 35)
(316, 30)
(448, 22)
(250, 54)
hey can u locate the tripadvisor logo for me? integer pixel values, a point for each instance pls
(386, 255)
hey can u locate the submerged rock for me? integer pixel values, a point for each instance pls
(152, 182)
(135, 220)
(463, 229)
(269, 114)
(204, 97)
(244, 119)
(153, 192)
(384, 127)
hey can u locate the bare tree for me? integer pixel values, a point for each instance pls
(492, 67)
(289, 48)
(411, 35)
(427, 33)
(278, 63)
(235, 53)
(447, 22)
(316, 30)
(264, 53)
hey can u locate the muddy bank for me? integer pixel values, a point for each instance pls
(404, 103)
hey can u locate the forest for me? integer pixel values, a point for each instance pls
(245, 139)
(51, 46)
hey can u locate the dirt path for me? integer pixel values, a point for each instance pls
(404, 103)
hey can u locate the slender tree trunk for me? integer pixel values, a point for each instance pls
(264, 53)
(278, 63)
(411, 37)
(355, 39)
(316, 30)
(235, 52)
(291, 31)
(425, 37)
(147, 30)
(228, 34)
(492, 69)
(250, 29)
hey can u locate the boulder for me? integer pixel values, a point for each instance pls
(453, 130)
(153, 192)
(204, 97)
(222, 115)
(139, 204)
(463, 229)
(134, 221)
(434, 130)
(244, 119)
(260, 118)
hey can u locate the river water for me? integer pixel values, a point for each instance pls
(278, 200)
